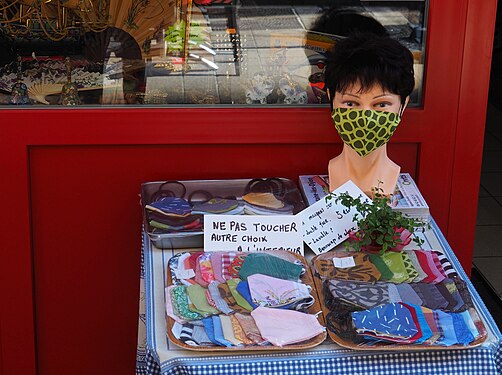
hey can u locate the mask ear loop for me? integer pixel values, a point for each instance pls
(401, 108)
(165, 193)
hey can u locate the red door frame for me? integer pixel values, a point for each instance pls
(449, 130)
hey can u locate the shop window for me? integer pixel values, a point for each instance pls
(184, 52)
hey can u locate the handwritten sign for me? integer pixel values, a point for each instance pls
(326, 223)
(253, 233)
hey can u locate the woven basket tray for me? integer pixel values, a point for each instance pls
(318, 281)
(315, 308)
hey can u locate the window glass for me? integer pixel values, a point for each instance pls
(184, 52)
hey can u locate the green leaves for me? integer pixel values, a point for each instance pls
(379, 225)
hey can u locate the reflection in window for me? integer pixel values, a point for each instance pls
(177, 52)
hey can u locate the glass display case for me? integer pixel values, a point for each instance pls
(203, 52)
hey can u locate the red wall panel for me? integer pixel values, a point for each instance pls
(72, 176)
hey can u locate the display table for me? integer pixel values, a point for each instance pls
(157, 355)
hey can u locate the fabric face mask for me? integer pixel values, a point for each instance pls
(364, 130)
(273, 292)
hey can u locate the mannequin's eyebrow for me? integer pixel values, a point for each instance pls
(381, 95)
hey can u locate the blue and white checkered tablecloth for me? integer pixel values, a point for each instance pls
(157, 355)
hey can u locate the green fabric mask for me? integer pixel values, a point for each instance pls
(364, 130)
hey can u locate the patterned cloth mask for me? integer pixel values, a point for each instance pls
(361, 294)
(273, 292)
(364, 130)
(391, 321)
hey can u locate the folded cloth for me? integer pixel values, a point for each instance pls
(183, 272)
(433, 323)
(446, 265)
(250, 329)
(243, 289)
(215, 206)
(416, 265)
(216, 266)
(395, 263)
(174, 221)
(393, 322)
(206, 269)
(235, 265)
(364, 269)
(227, 296)
(285, 327)
(449, 291)
(270, 265)
(171, 206)
(181, 304)
(360, 294)
(339, 321)
(439, 267)
(446, 323)
(196, 223)
(192, 259)
(197, 295)
(169, 305)
(241, 301)
(209, 328)
(218, 332)
(226, 261)
(408, 295)
(239, 332)
(386, 273)
(410, 269)
(192, 335)
(228, 330)
(264, 200)
(428, 264)
(430, 295)
(270, 291)
(462, 330)
(421, 322)
(469, 322)
(199, 279)
(219, 302)
(464, 293)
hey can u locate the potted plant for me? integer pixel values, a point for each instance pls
(381, 228)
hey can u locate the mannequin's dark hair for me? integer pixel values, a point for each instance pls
(369, 60)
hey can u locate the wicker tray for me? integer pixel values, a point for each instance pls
(315, 308)
(318, 281)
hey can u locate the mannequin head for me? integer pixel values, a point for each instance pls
(367, 65)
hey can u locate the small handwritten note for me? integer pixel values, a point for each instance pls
(327, 223)
(253, 233)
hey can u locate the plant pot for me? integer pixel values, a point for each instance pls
(375, 248)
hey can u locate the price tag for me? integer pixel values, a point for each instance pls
(346, 262)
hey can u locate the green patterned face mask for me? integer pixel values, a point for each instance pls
(364, 130)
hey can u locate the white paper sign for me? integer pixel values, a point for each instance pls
(253, 233)
(327, 223)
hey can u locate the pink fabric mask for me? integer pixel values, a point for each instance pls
(270, 291)
(284, 327)
(216, 264)
(206, 269)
